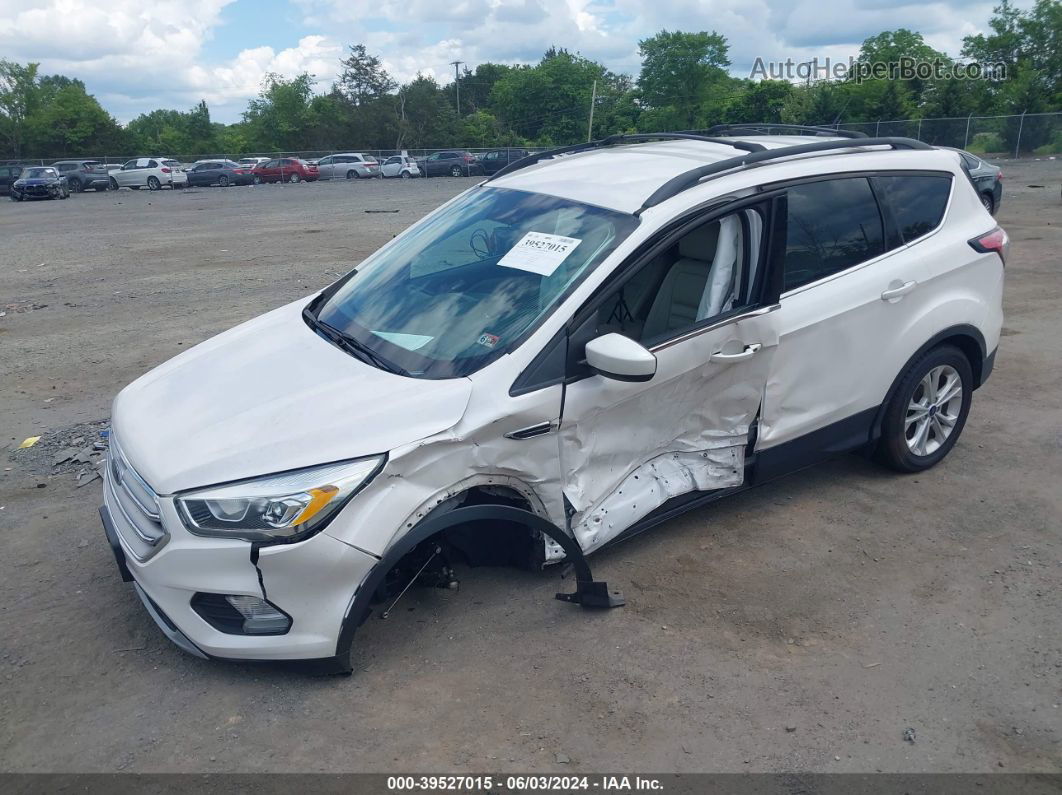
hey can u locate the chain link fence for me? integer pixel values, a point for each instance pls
(999, 137)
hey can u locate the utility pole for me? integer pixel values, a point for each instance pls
(590, 128)
(457, 83)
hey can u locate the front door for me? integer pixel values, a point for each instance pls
(698, 301)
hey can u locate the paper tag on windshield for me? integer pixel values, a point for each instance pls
(539, 252)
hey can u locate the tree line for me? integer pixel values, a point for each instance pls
(683, 84)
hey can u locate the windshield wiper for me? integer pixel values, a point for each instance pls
(351, 345)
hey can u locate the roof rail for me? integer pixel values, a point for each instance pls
(613, 140)
(767, 129)
(690, 178)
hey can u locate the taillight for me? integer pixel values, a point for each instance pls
(999, 175)
(165, 170)
(996, 241)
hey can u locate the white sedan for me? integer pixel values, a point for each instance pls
(152, 173)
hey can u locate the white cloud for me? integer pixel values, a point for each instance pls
(137, 55)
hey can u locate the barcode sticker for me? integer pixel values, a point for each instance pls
(539, 252)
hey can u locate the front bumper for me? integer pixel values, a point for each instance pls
(313, 581)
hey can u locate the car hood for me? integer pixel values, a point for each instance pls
(38, 181)
(267, 396)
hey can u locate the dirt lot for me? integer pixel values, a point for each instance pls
(805, 625)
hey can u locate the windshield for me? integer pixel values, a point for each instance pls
(461, 287)
(38, 173)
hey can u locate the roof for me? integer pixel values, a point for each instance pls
(635, 171)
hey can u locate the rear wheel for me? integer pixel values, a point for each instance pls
(154, 184)
(15, 197)
(352, 174)
(257, 180)
(989, 202)
(406, 175)
(456, 171)
(293, 178)
(223, 181)
(927, 413)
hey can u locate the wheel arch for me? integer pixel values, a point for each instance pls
(437, 521)
(966, 338)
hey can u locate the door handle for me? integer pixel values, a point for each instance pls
(898, 292)
(728, 358)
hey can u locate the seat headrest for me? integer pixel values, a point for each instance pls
(700, 243)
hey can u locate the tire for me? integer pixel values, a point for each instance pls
(293, 179)
(15, 198)
(75, 185)
(456, 172)
(352, 174)
(914, 433)
(113, 184)
(153, 183)
(406, 175)
(223, 181)
(256, 180)
(989, 203)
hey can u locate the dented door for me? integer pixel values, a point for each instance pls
(627, 448)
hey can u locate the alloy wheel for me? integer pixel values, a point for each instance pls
(933, 410)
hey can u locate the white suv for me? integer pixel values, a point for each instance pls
(593, 340)
(153, 173)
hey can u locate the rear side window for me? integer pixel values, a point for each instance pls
(831, 225)
(917, 203)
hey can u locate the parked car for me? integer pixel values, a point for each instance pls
(251, 162)
(284, 169)
(84, 174)
(452, 164)
(986, 177)
(348, 166)
(498, 159)
(39, 182)
(154, 173)
(551, 362)
(9, 174)
(219, 172)
(401, 166)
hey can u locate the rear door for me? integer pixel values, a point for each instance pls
(700, 302)
(851, 290)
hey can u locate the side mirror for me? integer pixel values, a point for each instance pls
(621, 358)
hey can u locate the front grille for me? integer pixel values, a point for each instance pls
(137, 514)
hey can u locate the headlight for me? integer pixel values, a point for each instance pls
(284, 507)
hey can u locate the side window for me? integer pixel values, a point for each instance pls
(129, 165)
(151, 164)
(711, 271)
(491, 156)
(831, 225)
(917, 203)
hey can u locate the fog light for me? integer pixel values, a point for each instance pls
(259, 617)
(240, 615)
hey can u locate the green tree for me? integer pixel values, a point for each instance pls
(679, 73)
(364, 79)
(424, 116)
(18, 96)
(278, 119)
(72, 123)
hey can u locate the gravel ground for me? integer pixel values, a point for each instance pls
(806, 625)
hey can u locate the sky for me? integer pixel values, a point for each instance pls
(138, 55)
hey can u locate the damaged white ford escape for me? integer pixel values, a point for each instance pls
(593, 340)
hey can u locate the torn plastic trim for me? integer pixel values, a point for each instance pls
(588, 591)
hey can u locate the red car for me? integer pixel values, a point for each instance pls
(284, 169)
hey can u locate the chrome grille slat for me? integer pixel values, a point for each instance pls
(116, 498)
(136, 502)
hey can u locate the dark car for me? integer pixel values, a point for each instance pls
(9, 174)
(284, 169)
(219, 172)
(451, 164)
(497, 159)
(83, 174)
(986, 178)
(39, 182)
